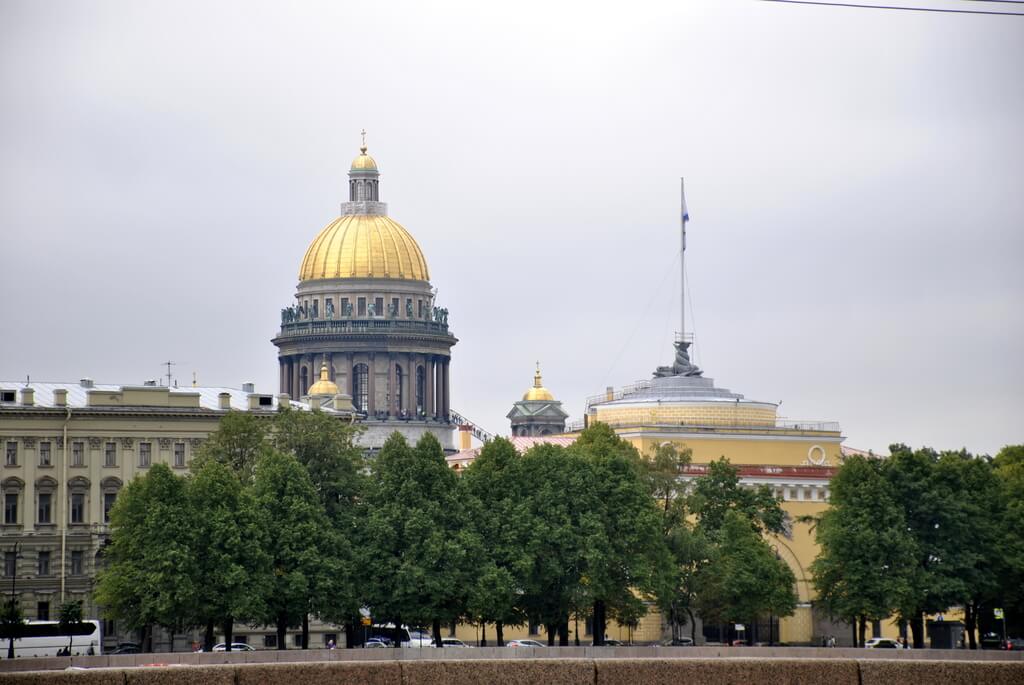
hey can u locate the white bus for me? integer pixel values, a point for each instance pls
(45, 638)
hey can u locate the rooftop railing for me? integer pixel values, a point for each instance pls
(337, 326)
(779, 425)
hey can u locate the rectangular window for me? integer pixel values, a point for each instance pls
(110, 454)
(44, 508)
(77, 507)
(43, 611)
(316, 309)
(77, 453)
(408, 307)
(378, 305)
(108, 504)
(420, 308)
(11, 508)
(344, 310)
(534, 628)
(241, 639)
(10, 564)
(12, 454)
(270, 641)
(44, 454)
(330, 637)
(298, 639)
(361, 305)
(179, 454)
(7, 396)
(77, 562)
(394, 306)
(44, 563)
(145, 454)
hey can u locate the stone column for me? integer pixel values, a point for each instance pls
(393, 407)
(281, 375)
(428, 379)
(447, 388)
(350, 387)
(330, 366)
(290, 387)
(371, 400)
(410, 384)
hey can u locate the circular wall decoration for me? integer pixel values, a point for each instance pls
(816, 455)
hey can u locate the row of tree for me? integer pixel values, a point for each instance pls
(277, 523)
(922, 531)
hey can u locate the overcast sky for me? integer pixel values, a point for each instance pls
(854, 179)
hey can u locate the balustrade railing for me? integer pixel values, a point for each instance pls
(330, 326)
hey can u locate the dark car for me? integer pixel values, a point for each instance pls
(679, 642)
(126, 648)
(992, 641)
(1015, 643)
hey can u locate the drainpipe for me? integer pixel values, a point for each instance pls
(63, 510)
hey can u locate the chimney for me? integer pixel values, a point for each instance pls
(609, 393)
(28, 396)
(86, 383)
(248, 387)
(224, 401)
(465, 437)
(60, 397)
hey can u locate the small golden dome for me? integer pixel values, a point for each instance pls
(364, 162)
(364, 246)
(323, 386)
(538, 391)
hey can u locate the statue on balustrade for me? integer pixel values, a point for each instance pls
(330, 309)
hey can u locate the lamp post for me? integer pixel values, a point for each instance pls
(11, 617)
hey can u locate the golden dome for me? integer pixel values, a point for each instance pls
(364, 246)
(364, 162)
(538, 391)
(323, 386)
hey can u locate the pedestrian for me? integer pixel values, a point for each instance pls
(331, 644)
(91, 651)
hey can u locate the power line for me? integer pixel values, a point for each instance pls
(897, 7)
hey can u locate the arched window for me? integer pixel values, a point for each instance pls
(303, 381)
(421, 376)
(361, 387)
(109, 487)
(399, 383)
(12, 489)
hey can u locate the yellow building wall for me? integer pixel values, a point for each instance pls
(738, 448)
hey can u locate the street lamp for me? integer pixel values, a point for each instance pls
(11, 617)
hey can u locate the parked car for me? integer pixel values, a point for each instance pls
(235, 647)
(1015, 644)
(524, 643)
(453, 642)
(609, 642)
(882, 643)
(377, 643)
(126, 648)
(992, 641)
(678, 642)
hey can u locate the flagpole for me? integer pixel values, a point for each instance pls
(682, 261)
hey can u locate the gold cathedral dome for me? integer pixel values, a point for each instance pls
(324, 386)
(538, 391)
(364, 243)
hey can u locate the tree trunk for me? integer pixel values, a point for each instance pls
(483, 634)
(229, 624)
(350, 634)
(551, 634)
(970, 622)
(499, 633)
(854, 626)
(753, 632)
(576, 628)
(282, 631)
(599, 622)
(563, 633)
(208, 637)
(917, 629)
(863, 630)
(305, 630)
(435, 626)
(693, 625)
(147, 641)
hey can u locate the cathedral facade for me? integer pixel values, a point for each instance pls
(366, 312)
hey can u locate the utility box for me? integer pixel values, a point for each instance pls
(945, 634)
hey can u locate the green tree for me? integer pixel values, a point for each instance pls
(231, 559)
(416, 567)
(1009, 469)
(151, 577)
(298, 540)
(624, 549)
(11, 621)
(238, 443)
(743, 578)
(865, 566)
(326, 446)
(496, 518)
(719, 491)
(69, 618)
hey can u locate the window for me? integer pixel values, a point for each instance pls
(108, 503)
(270, 641)
(330, 637)
(379, 306)
(361, 387)
(77, 507)
(344, 312)
(77, 453)
(77, 562)
(43, 611)
(361, 306)
(408, 307)
(12, 454)
(43, 515)
(298, 639)
(316, 309)
(179, 454)
(11, 508)
(534, 628)
(394, 306)
(241, 639)
(420, 389)
(10, 564)
(399, 395)
(44, 454)
(145, 454)
(110, 454)
(420, 308)
(7, 396)
(44, 564)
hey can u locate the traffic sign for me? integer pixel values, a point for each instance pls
(997, 613)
